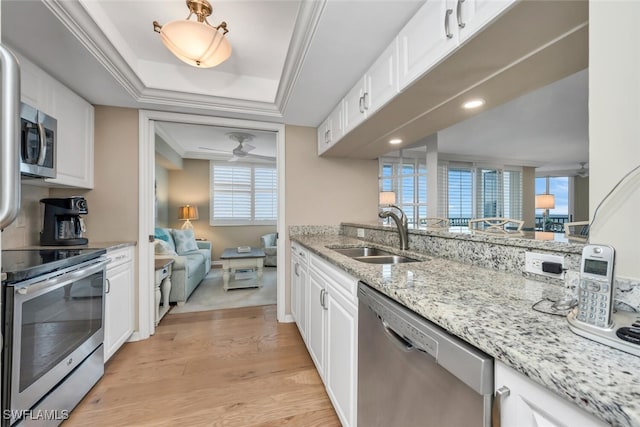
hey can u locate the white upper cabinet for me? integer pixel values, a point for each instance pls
(376, 88)
(332, 129)
(472, 15)
(427, 38)
(75, 138)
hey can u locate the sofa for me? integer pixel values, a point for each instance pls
(192, 260)
(270, 247)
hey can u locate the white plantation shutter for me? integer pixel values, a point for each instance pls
(243, 194)
(407, 177)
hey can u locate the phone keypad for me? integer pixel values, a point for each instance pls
(594, 300)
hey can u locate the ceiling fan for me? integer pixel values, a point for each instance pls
(583, 172)
(242, 151)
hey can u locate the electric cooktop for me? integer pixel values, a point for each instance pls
(24, 264)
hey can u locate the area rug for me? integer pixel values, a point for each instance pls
(209, 295)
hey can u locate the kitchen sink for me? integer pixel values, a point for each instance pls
(362, 252)
(374, 255)
(385, 259)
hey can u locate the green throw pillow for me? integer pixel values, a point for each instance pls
(185, 241)
(164, 234)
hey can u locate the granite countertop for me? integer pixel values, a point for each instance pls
(492, 311)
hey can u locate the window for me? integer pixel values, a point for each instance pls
(243, 194)
(559, 187)
(469, 192)
(407, 177)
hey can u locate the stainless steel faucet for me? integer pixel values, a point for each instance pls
(402, 223)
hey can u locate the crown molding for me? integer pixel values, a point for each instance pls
(303, 34)
(76, 19)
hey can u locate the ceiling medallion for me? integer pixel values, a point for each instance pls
(197, 43)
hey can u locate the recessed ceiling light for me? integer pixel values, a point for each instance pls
(395, 141)
(474, 103)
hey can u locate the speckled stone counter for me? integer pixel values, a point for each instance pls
(492, 311)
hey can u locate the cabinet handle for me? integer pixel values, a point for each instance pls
(496, 409)
(447, 31)
(361, 104)
(322, 297)
(296, 269)
(461, 24)
(108, 283)
(328, 136)
(365, 100)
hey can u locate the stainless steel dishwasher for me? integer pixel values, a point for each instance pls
(412, 373)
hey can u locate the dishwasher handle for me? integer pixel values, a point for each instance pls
(496, 409)
(398, 340)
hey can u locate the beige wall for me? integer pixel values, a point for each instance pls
(161, 196)
(581, 199)
(25, 230)
(325, 191)
(190, 186)
(113, 202)
(614, 131)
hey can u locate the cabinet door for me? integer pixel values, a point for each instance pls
(342, 357)
(354, 112)
(295, 284)
(317, 322)
(323, 136)
(381, 81)
(74, 141)
(531, 405)
(472, 15)
(118, 308)
(423, 41)
(303, 296)
(336, 124)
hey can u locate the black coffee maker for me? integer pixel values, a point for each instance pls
(63, 225)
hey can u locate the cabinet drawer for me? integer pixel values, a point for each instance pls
(338, 278)
(119, 256)
(301, 252)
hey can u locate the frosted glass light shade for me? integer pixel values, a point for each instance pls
(387, 197)
(196, 43)
(545, 201)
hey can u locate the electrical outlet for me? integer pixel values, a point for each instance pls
(533, 263)
(360, 232)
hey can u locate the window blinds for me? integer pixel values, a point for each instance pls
(243, 194)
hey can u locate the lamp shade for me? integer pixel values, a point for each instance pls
(188, 212)
(387, 197)
(545, 201)
(196, 43)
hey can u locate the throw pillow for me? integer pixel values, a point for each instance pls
(164, 234)
(163, 248)
(185, 241)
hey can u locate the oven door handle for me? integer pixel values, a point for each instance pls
(62, 279)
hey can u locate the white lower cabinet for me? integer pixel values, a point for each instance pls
(299, 288)
(119, 299)
(528, 404)
(332, 337)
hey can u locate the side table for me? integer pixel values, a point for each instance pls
(162, 285)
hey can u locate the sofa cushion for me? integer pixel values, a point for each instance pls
(164, 234)
(185, 241)
(163, 247)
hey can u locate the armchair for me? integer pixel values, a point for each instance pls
(270, 247)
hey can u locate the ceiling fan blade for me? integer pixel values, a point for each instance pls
(233, 159)
(246, 148)
(265, 158)
(214, 149)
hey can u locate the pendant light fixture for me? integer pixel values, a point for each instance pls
(197, 43)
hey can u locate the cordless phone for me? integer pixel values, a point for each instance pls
(595, 292)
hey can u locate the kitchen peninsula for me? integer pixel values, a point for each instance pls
(492, 310)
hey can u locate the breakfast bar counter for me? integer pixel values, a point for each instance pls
(492, 310)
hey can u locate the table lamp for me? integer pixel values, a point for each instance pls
(545, 202)
(187, 213)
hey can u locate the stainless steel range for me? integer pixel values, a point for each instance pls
(53, 332)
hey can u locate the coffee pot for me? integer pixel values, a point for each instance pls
(63, 225)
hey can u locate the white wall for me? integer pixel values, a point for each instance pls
(614, 127)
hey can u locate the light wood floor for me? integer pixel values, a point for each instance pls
(235, 367)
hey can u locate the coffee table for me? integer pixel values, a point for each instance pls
(233, 260)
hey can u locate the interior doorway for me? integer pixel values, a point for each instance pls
(149, 123)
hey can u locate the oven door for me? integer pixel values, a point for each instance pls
(37, 150)
(57, 323)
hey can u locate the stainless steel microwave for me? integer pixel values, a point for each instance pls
(38, 143)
